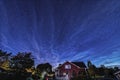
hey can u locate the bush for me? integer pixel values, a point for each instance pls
(81, 78)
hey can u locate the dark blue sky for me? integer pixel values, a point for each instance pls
(59, 30)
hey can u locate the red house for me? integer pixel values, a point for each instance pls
(71, 69)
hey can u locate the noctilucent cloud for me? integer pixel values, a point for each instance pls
(59, 30)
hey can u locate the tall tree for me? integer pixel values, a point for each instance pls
(44, 67)
(116, 68)
(91, 69)
(89, 63)
(22, 61)
(100, 70)
(4, 56)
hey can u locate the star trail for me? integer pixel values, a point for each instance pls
(59, 30)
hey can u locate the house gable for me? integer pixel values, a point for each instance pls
(76, 64)
(70, 69)
(68, 63)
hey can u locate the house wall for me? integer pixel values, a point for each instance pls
(71, 72)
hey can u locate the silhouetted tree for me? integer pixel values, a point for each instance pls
(109, 72)
(100, 71)
(22, 61)
(116, 69)
(4, 56)
(91, 69)
(89, 63)
(44, 67)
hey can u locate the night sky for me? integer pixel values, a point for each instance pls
(59, 30)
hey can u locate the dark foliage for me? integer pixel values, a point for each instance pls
(22, 61)
(44, 67)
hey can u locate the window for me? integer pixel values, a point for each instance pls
(67, 66)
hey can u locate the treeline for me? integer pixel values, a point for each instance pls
(101, 71)
(21, 60)
(21, 67)
(97, 73)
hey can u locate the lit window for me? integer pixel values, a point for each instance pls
(67, 66)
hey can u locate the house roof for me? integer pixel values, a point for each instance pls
(117, 72)
(77, 64)
(80, 64)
